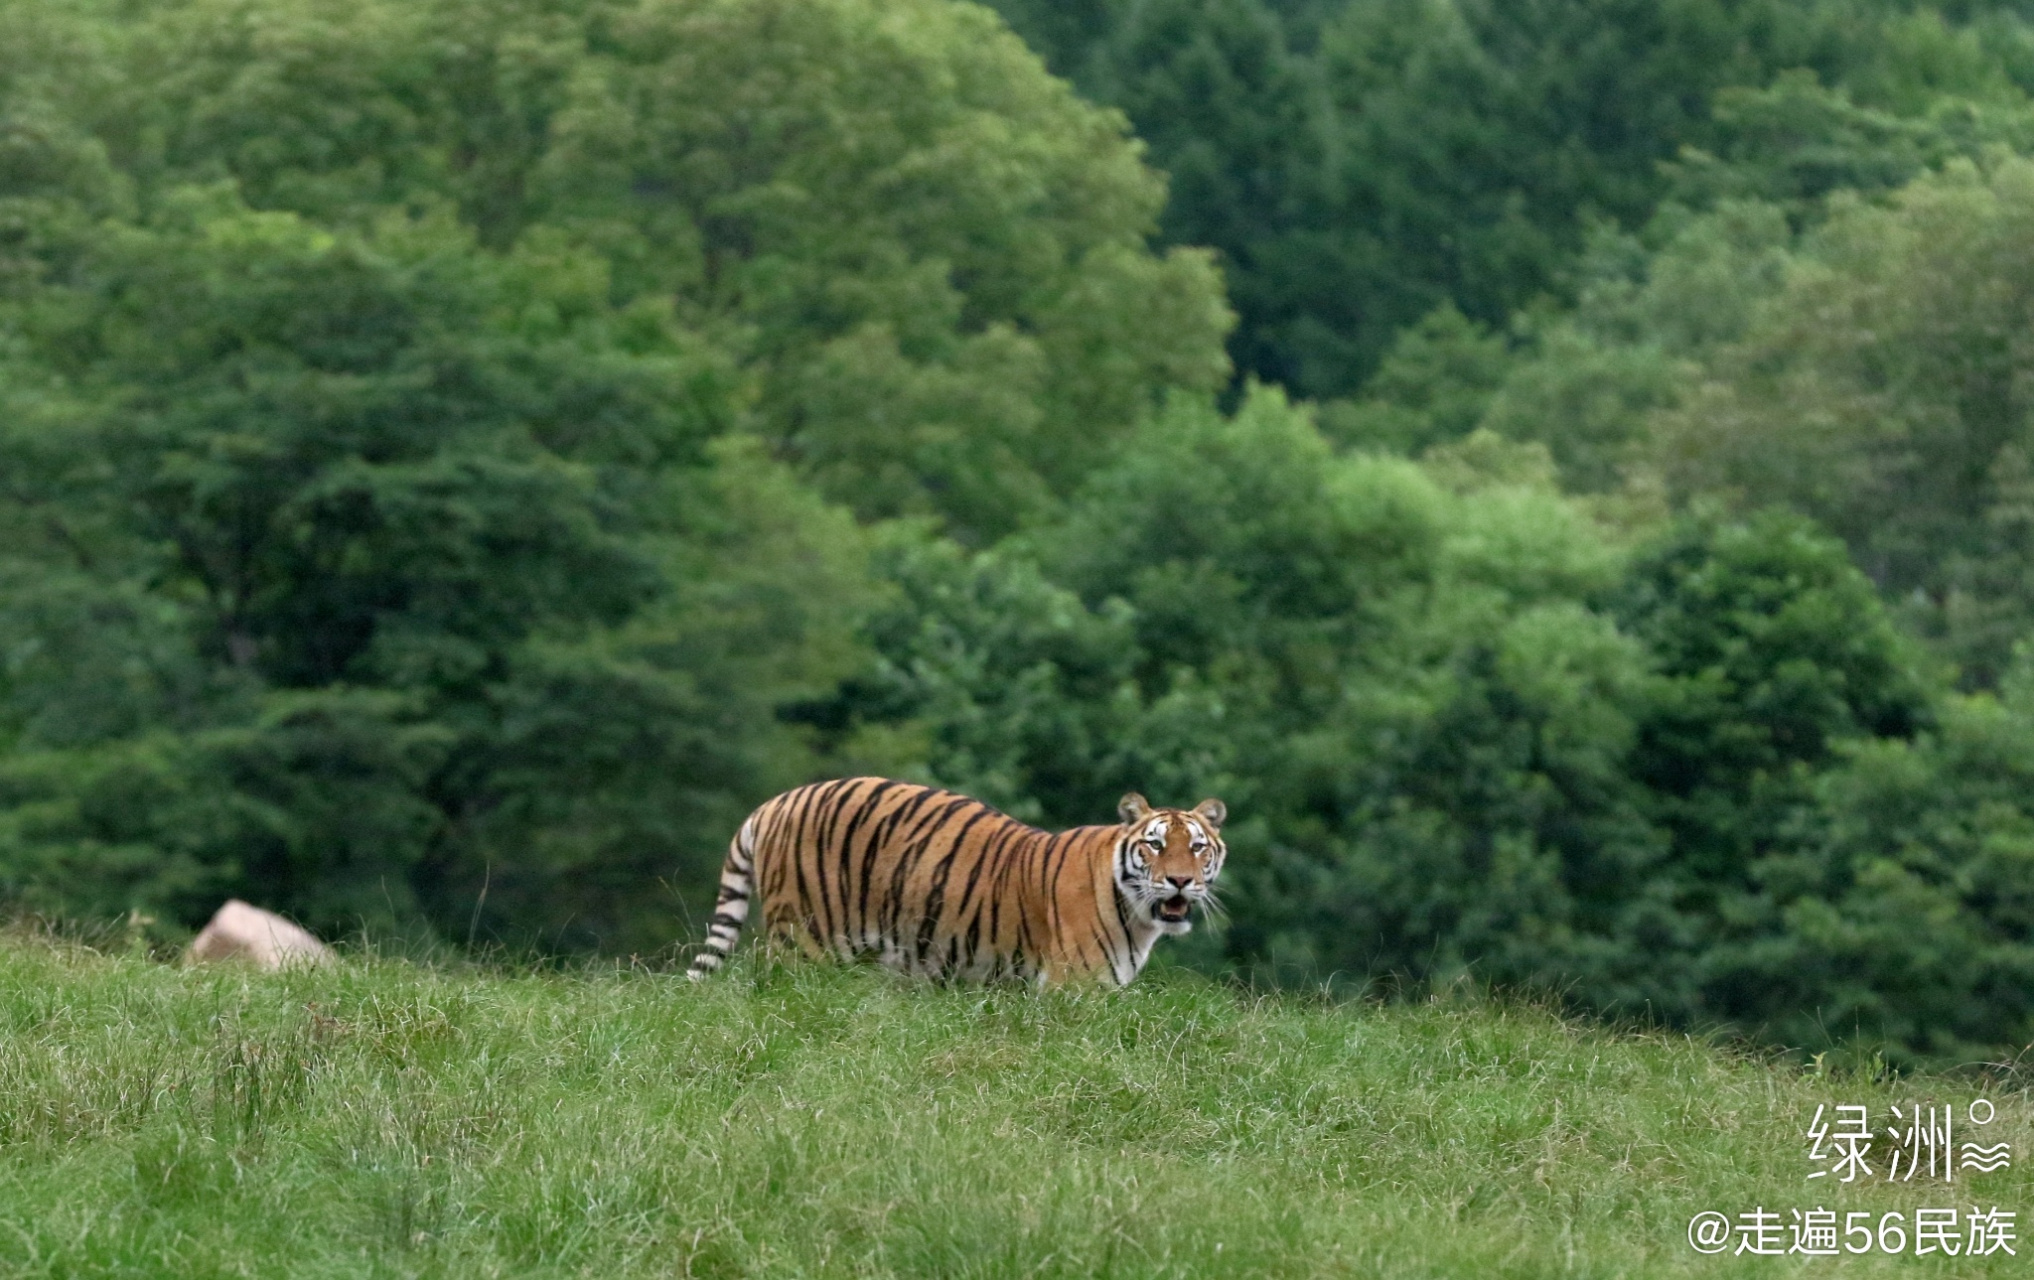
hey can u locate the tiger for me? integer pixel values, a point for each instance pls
(939, 885)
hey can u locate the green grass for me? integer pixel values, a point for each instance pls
(384, 1118)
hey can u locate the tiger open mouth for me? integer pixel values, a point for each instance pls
(1175, 909)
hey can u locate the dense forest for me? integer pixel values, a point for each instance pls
(1563, 472)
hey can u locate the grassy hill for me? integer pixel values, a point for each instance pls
(385, 1118)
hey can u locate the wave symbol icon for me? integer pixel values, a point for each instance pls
(1987, 1159)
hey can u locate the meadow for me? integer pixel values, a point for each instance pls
(391, 1118)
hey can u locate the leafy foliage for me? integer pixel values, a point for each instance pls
(929, 256)
(1467, 730)
(382, 528)
(457, 457)
(1880, 392)
(1360, 165)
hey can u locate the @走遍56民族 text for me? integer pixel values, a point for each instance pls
(1911, 1141)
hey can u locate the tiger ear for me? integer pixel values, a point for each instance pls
(1212, 812)
(1133, 808)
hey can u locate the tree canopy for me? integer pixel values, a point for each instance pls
(1359, 165)
(458, 456)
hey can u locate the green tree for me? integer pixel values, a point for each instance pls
(930, 255)
(387, 537)
(1772, 654)
(1881, 392)
(1903, 917)
(1360, 165)
(1432, 388)
(1400, 688)
(1587, 382)
(412, 414)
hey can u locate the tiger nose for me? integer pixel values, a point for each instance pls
(1180, 882)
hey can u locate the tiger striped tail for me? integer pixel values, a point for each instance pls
(731, 909)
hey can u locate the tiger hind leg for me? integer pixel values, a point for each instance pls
(731, 909)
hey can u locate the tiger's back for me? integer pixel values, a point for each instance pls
(929, 882)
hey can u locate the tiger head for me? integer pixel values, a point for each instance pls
(1167, 860)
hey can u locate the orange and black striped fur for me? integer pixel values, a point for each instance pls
(933, 883)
